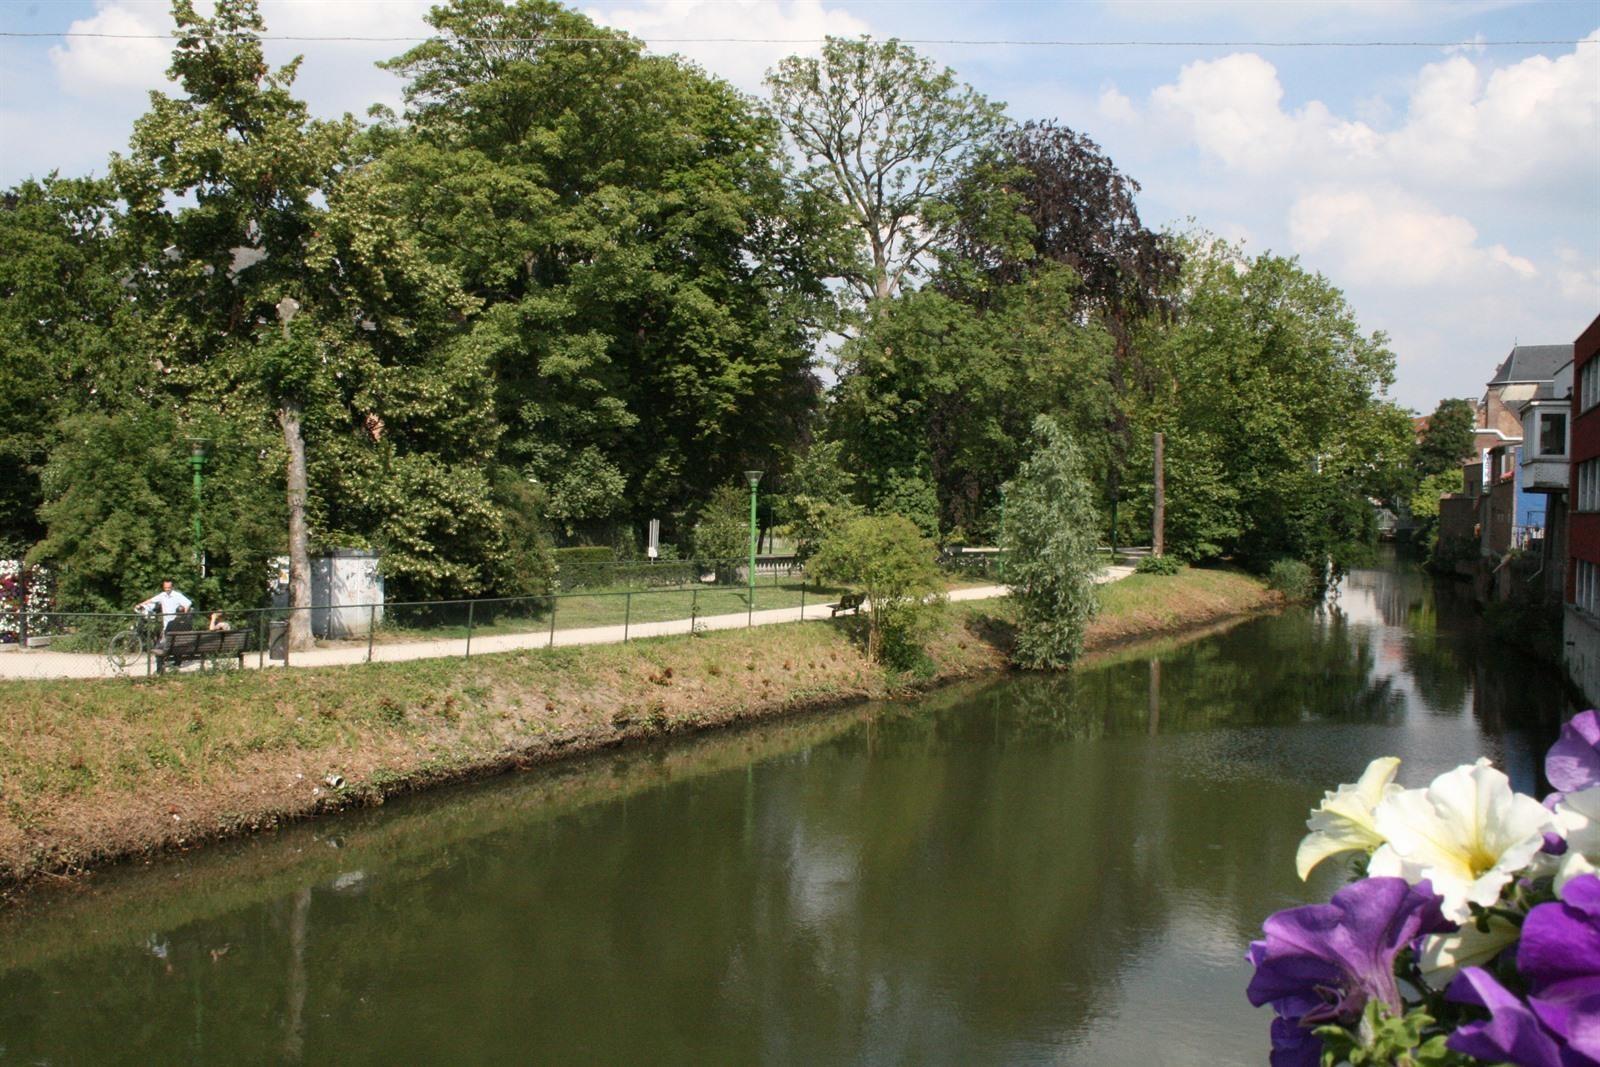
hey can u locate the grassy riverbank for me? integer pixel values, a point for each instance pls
(95, 770)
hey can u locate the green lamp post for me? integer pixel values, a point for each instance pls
(199, 447)
(754, 478)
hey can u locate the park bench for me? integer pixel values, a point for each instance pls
(849, 602)
(208, 647)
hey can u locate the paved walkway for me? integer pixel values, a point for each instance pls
(40, 663)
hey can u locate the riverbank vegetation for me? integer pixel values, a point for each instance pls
(92, 771)
(576, 286)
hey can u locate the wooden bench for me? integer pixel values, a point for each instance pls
(850, 602)
(208, 647)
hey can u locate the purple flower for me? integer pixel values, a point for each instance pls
(1322, 963)
(1573, 762)
(1559, 957)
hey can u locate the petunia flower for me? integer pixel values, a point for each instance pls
(1343, 822)
(1442, 955)
(1558, 1025)
(1467, 833)
(1323, 963)
(1573, 762)
(1577, 818)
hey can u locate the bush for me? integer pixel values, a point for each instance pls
(723, 533)
(1164, 565)
(1293, 578)
(1050, 545)
(888, 559)
(585, 567)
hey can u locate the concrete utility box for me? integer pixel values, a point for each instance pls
(346, 592)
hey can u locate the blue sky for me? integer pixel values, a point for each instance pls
(1453, 194)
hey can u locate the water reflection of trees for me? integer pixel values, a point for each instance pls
(972, 877)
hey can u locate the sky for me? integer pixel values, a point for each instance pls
(1450, 185)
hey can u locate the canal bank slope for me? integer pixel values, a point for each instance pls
(94, 771)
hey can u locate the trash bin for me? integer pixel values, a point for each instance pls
(278, 639)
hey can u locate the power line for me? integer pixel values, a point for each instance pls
(630, 40)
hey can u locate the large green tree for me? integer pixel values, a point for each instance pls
(1274, 404)
(937, 396)
(287, 298)
(650, 282)
(1446, 442)
(888, 137)
(68, 344)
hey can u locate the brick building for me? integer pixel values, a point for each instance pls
(1581, 623)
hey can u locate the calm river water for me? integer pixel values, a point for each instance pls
(1060, 870)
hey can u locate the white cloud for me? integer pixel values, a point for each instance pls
(1466, 124)
(96, 66)
(1389, 238)
(1232, 108)
(1579, 281)
(744, 63)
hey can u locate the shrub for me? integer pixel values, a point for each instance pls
(1165, 565)
(888, 559)
(1051, 556)
(583, 567)
(1293, 578)
(723, 533)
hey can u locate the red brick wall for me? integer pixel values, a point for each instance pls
(1583, 532)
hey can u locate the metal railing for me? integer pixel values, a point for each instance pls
(104, 644)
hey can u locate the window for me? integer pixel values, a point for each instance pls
(1589, 485)
(1586, 586)
(1589, 385)
(1552, 433)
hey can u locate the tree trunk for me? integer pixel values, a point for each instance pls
(299, 540)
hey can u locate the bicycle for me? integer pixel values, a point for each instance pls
(129, 646)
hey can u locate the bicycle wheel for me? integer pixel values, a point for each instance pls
(124, 650)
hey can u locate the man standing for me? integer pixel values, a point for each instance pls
(168, 603)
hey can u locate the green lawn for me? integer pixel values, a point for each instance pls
(577, 611)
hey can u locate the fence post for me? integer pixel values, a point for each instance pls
(286, 642)
(694, 606)
(22, 603)
(555, 598)
(470, 605)
(802, 599)
(627, 615)
(261, 640)
(372, 624)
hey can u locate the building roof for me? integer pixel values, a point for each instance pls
(1559, 387)
(1532, 363)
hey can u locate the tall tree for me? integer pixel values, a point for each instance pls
(651, 286)
(1279, 428)
(938, 393)
(65, 331)
(1077, 209)
(1050, 540)
(284, 293)
(888, 135)
(1446, 442)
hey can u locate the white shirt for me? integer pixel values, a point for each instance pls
(168, 603)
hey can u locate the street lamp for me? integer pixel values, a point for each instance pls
(754, 478)
(199, 447)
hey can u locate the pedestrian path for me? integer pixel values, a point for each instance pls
(18, 663)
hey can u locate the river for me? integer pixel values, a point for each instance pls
(1058, 870)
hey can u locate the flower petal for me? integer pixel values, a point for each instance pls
(1573, 762)
(1511, 1034)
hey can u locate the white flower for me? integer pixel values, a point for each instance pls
(1344, 821)
(1577, 818)
(1444, 954)
(1468, 834)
